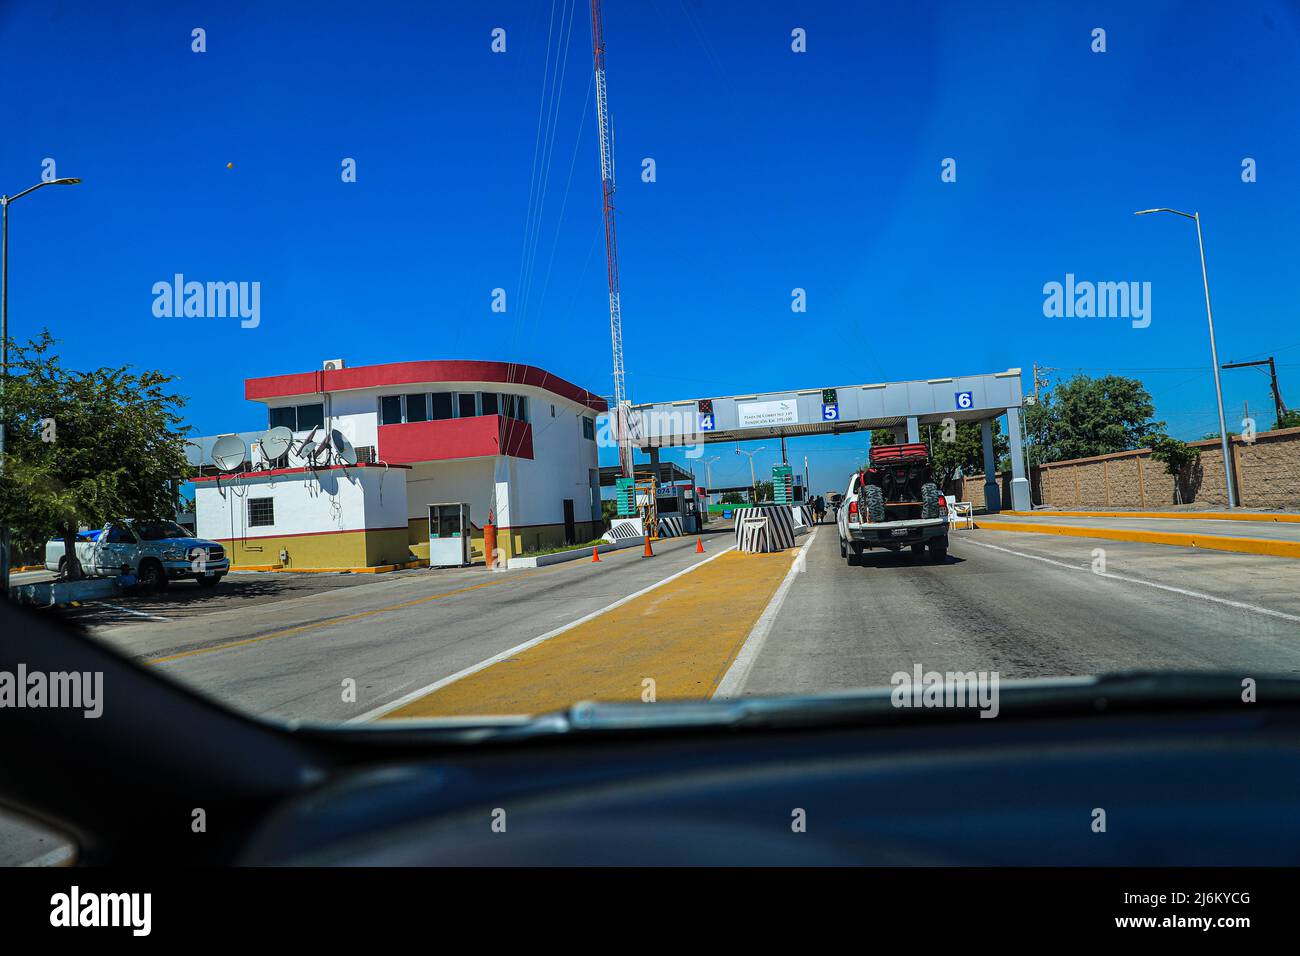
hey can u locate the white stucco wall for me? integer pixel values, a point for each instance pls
(349, 499)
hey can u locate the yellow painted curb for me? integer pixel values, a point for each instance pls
(27, 567)
(1209, 542)
(378, 569)
(1191, 515)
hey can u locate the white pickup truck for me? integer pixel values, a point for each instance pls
(154, 551)
(894, 503)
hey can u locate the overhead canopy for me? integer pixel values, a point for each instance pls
(831, 410)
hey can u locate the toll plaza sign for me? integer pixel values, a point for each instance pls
(784, 411)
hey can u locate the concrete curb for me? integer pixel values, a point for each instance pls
(1189, 515)
(559, 557)
(1209, 542)
(378, 569)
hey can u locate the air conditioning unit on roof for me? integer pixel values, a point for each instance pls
(332, 365)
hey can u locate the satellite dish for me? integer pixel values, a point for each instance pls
(229, 452)
(347, 454)
(275, 443)
(309, 449)
(305, 444)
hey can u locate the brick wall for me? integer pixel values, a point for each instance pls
(1267, 473)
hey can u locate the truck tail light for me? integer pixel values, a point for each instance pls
(853, 508)
(943, 505)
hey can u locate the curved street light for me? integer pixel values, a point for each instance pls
(1214, 352)
(4, 340)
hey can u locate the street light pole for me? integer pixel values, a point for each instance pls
(1214, 354)
(753, 481)
(4, 348)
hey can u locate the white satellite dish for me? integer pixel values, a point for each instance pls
(343, 448)
(309, 449)
(228, 452)
(305, 444)
(275, 443)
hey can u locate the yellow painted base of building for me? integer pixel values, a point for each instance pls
(389, 548)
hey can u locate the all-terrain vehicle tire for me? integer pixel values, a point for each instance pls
(871, 502)
(938, 550)
(930, 500)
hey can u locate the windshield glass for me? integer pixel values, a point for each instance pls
(159, 530)
(924, 405)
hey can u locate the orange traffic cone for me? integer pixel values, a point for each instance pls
(647, 553)
(699, 545)
(595, 555)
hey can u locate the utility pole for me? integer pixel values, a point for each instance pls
(1040, 379)
(1278, 405)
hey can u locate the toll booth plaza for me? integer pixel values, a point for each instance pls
(848, 408)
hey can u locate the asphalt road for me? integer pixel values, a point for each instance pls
(1028, 605)
(393, 634)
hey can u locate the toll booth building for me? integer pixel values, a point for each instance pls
(440, 448)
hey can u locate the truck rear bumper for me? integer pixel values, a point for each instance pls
(895, 534)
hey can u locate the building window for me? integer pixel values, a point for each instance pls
(588, 428)
(417, 408)
(466, 404)
(442, 406)
(261, 512)
(515, 406)
(390, 410)
(311, 416)
(489, 402)
(298, 418)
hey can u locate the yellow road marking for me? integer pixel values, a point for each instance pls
(513, 576)
(683, 636)
(1209, 542)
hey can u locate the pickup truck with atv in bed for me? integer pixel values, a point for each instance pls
(894, 503)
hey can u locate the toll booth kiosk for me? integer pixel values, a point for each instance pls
(449, 541)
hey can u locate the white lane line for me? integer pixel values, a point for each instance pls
(1201, 595)
(733, 682)
(520, 648)
(127, 610)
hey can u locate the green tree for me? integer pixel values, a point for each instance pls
(1098, 416)
(1288, 419)
(1177, 456)
(83, 448)
(1036, 421)
(733, 498)
(962, 447)
(766, 491)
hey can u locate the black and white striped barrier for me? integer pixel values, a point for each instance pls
(621, 529)
(764, 527)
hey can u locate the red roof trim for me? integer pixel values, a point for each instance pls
(410, 373)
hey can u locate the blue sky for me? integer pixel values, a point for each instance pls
(775, 170)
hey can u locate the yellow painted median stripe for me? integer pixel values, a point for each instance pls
(1189, 515)
(1209, 542)
(683, 636)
